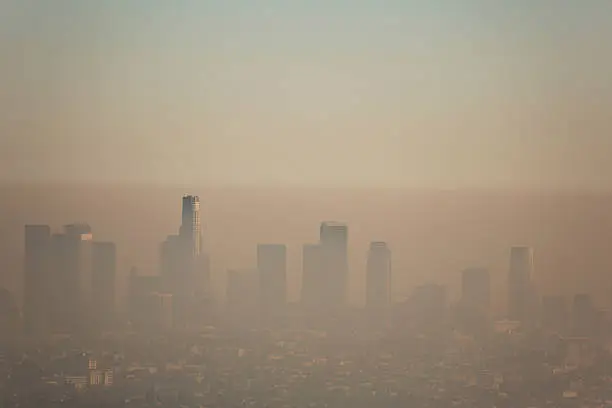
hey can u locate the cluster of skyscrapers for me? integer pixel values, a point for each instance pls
(179, 295)
(70, 279)
(70, 282)
(325, 277)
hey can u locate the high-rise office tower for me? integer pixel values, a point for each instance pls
(272, 269)
(191, 227)
(72, 278)
(313, 277)
(520, 290)
(36, 278)
(378, 276)
(334, 246)
(104, 271)
(476, 288)
(184, 265)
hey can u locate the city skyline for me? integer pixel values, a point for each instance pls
(325, 272)
(308, 204)
(81, 337)
(535, 219)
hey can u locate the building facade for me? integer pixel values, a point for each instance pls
(334, 247)
(378, 276)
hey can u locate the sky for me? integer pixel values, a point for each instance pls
(435, 94)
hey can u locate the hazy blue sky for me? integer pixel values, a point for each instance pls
(351, 93)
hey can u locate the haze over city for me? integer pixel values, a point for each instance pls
(434, 233)
(305, 204)
(320, 93)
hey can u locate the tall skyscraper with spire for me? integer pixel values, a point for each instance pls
(191, 226)
(184, 265)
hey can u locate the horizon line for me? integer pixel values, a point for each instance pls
(304, 187)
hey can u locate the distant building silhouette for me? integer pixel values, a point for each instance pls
(37, 279)
(334, 246)
(520, 289)
(104, 271)
(185, 268)
(72, 278)
(378, 276)
(272, 268)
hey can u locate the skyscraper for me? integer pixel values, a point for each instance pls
(334, 246)
(36, 278)
(476, 288)
(72, 277)
(104, 271)
(378, 276)
(191, 227)
(520, 289)
(313, 278)
(272, 269)
(184, 265)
